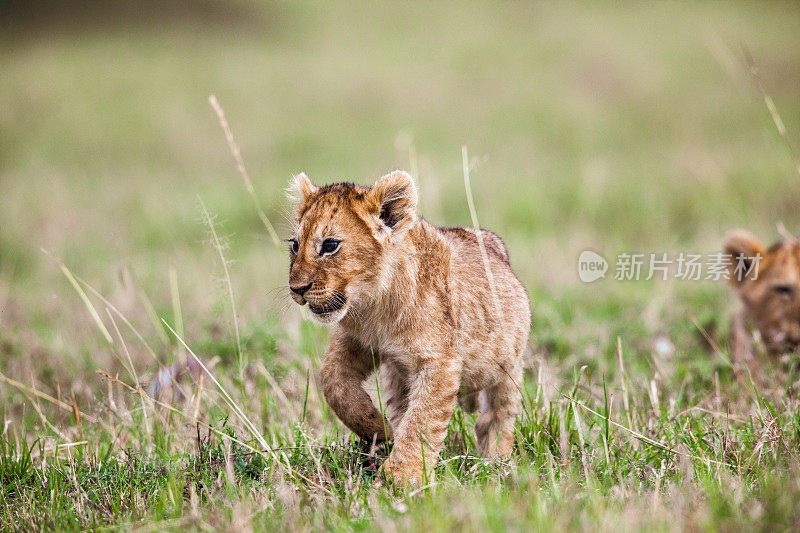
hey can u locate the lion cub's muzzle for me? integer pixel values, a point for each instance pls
(334, 303)
(320, 301)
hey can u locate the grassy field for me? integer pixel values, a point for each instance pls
(616, 128)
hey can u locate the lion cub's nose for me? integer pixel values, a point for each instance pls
(300, 290)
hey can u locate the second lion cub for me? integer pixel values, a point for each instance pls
(770, 297)
(439, 310)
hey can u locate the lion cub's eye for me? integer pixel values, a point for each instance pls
(329, 246)
(295, 246)
(784, 290)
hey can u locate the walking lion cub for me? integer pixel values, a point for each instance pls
(438, 310)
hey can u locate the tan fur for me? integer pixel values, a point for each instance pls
(412, 301)
(770, 300)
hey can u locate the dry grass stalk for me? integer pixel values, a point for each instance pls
(237, 156)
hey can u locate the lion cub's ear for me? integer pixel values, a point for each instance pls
(299, 189)
(741, 243)
(394, 199)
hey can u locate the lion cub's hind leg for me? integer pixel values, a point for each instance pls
(394, 388)
(469, 402)
(500, 407)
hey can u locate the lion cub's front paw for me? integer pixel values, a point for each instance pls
(403, 473)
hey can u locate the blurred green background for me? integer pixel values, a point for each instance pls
(632, 127)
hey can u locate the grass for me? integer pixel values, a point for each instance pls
(634, 128)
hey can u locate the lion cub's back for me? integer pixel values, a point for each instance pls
(466, 240)
(473, 285)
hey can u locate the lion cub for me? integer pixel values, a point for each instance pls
(770, 295)
(416, 301)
